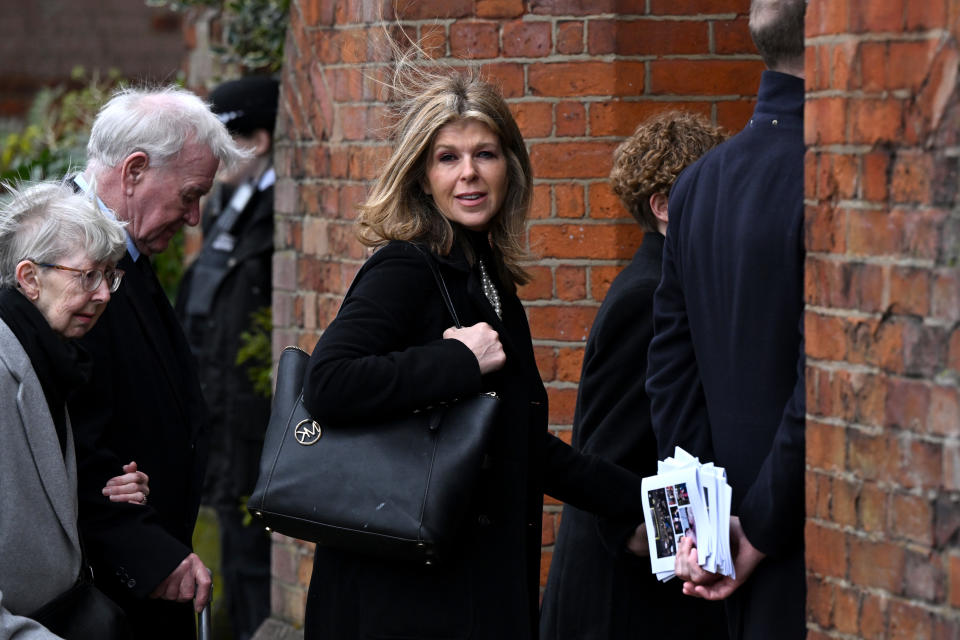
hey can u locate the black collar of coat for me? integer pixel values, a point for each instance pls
(457, 258)
(779, 100)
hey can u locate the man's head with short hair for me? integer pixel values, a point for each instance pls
(647, 163)
(777, 29)
(152, 154)
(158, 122)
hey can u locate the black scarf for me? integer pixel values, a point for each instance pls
(479, 242)
(61, 365)
(476, 245)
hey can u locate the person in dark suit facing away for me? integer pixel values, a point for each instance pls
(151, 156)
(597, 588)
(726, 365)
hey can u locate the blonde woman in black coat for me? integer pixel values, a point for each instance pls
(458, 184)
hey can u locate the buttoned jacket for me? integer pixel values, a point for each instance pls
(39, 546)
(143, 403)
(726, 364)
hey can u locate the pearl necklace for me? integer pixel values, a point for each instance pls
(489, 290)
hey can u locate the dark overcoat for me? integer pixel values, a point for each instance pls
(726, 376)
(143, 403)
(238, 414)
(597, 590)
(384, 353)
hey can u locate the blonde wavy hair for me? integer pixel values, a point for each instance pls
(397, 207)
(650, 160)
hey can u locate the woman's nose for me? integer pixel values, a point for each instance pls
(467, 170)
(102, 292)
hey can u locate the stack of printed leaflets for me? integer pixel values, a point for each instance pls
(687, 498)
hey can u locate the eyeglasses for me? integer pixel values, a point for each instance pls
(90, 279)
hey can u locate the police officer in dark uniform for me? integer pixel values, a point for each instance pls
(221, 291)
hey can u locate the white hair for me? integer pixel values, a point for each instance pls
(157, 122)
(47, 221)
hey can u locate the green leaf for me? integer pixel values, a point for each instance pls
(53, 142)
(255, 351)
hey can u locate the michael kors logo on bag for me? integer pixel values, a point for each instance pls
(307, 432)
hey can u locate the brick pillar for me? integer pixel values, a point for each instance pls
(883, 302)
(578, 75)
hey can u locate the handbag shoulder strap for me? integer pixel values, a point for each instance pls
(438, 277)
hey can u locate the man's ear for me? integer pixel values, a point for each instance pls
(28, 279)
(658, 204)
(262, 141)
(132, 169)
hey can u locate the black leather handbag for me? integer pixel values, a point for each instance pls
(83, 612)
(397, 488)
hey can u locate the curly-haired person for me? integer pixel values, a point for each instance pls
(622, 598)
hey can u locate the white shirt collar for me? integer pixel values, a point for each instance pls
(267, 180)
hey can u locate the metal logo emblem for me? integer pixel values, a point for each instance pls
(307, 432)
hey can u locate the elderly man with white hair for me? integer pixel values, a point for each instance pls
(151, 156)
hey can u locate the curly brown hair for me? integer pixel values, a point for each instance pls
(650, 160)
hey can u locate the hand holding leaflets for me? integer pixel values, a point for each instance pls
(688, 512)
(714, 586)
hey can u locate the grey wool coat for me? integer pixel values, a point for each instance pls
(39, 545)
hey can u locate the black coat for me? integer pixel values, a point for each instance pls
(144, 404)
(726, 366)
(238, 414)
(384, 353)
(597, 590)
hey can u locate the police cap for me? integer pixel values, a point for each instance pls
(246, 104)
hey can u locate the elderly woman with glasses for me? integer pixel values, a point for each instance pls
(58, 258)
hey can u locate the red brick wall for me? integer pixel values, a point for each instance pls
(578, 74)
(883, 296)
(41, 41)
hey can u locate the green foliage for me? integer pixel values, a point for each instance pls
(22, 156)
(255, 351)
(253, 30)
(169, 265)
(53, 142)
(257, 32)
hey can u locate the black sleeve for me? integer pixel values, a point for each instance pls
(677, 402)
(613, 410)
(376, 358)
(121, 539)
(590, 483)
(772, 511)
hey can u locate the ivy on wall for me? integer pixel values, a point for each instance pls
(252, 31)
